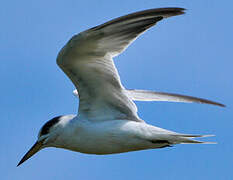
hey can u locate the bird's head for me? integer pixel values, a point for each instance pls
(47, 135)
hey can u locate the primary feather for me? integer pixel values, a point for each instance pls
(146, 95)
(87, 61)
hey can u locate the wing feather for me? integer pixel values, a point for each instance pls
(146, 95)
(87, 61)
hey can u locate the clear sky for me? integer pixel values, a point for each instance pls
(189, 54)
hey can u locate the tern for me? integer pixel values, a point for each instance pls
(107, 121)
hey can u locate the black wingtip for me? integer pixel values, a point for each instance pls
(177, 11)
(221, 105)
(205, 101)
(168, 11)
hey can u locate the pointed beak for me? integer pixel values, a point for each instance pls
(34, 149)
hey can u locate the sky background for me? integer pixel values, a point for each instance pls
(189, 54)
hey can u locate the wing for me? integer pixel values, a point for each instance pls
(87, 61)
(146, 95)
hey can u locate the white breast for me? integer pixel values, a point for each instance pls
(106, 137)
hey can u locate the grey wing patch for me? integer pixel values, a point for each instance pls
(115, 36)
(163, 12)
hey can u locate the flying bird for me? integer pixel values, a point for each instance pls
(107, 121)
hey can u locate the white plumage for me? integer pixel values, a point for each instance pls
(107, 120)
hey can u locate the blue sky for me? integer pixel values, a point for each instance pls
(189, 54)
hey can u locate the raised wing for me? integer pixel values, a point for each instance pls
(146, 95)
(87, 61)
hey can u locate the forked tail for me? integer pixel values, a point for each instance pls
(188, 139)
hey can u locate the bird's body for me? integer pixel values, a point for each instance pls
(107, 120)
(107, 137)
(112, 136)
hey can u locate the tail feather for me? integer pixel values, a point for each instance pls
(193, 136)
(187, 139)
(190, 141)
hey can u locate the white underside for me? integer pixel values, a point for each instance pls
(115, 136)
